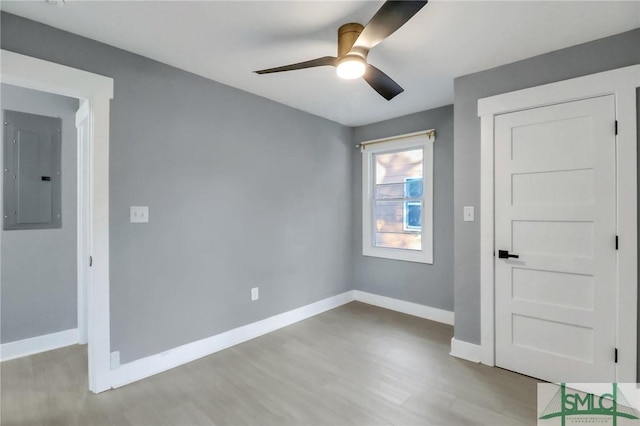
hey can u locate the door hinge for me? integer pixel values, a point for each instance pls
(616, 242)
(615, 356)
(90, 261)
(616, 127)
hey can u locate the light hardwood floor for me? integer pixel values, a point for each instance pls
(354, 365)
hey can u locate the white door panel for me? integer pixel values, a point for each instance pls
(539, 286)
(559, 188)
(555, 208)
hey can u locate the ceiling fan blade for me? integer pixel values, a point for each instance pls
(391, 16)
(320, 62)
(382, 83)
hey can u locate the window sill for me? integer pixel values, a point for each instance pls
(399, 254)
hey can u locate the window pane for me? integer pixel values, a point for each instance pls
(413, 187)
(413, 215)
(385, 191)
(397, 204)
(390, 222)
(411, 241)
(394, 167)
(389, 216)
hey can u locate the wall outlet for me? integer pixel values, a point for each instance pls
(469, 214)
(255, 294)
(139, 214)
(115, 360)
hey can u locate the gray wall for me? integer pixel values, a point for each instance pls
(600, 55)
(242, 192)
(430, 285)
(38, 280)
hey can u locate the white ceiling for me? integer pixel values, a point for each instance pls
(226, 40)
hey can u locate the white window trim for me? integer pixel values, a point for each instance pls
(423, 140)
(622, 83)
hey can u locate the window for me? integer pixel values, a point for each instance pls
(398, 197)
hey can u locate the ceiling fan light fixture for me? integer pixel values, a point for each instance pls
(350, 67)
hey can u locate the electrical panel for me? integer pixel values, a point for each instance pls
(32, 171)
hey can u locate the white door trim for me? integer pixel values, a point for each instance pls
(622, 83)
(97, 90)
(83, 120)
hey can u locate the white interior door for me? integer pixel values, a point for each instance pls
(555, 208)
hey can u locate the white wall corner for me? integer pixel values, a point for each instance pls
(409, 308)
(465, 350)
(35, 345)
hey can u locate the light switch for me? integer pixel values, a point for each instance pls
(469, 215)
(139, 214)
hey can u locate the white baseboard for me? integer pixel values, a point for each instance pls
(409, 308)
(38, 344)
(465, 350)
(154, 364)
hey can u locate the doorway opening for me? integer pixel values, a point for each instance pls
(94, 93)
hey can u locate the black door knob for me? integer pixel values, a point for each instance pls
(504, 254)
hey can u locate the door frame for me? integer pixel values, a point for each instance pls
(622, 83)
(83, 211)
(94, 92)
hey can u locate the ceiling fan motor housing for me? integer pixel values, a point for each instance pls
(347, 36)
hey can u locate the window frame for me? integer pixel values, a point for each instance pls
(421, 140)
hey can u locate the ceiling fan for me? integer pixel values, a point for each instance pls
(354, 43)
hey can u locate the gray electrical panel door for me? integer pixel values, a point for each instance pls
(32, 166)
